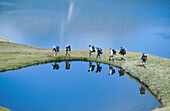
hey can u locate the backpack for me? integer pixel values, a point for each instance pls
(57, 67)
(113, 71)
(100, 51)
(92, 67)
(145, 57)
(69, 48)
(93, 49)
(57, 48)
(123, 51)
(114, 52)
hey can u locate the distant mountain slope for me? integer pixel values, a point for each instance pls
(2, 39)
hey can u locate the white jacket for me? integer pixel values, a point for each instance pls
(111, 52)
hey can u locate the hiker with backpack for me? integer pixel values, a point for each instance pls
(121, 73)
(122, 53)
(91, 50)
(99, 51)
(99, 68)
(67, 65)
(112, 71)
(55, 49)
(68, 49)
(112, 52)
(144, 58)
(55, 66)
(91, 66)
(142, 90)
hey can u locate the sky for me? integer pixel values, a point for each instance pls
(140, 26)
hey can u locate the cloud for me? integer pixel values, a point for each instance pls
(163, 35)
(4, 3)
(70, 12)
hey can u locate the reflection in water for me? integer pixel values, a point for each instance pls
(121, 73)
(91, 66)
(91, 69)
(67, 65)
(112, 71)
(55, 66)
(99, 68)
(142, 90)
(71, 90)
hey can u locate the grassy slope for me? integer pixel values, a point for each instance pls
(3, 109)
(155, 75)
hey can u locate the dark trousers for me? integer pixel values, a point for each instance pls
(98, 55)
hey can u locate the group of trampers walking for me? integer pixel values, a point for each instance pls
(99, 51)
(56, 49)
(112, 52)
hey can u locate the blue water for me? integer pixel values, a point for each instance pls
(137, 25)
(40, 88)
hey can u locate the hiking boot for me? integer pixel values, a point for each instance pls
(144, 66)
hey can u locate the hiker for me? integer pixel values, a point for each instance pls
(55, 49)
(142, 90)
(67, 65)
(99, 51)
(55, 66)
(91, 66)
(122, 53)
(112, 71)
(91, 50)
(68, 49)
(144, 58)
(99, 68)
(121, 73)
(112, 52)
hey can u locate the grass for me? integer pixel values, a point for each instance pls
(4, 109)
(155, 76)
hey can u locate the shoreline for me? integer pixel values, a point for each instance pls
(83, 59)
(155, 76)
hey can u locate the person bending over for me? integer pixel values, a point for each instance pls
(67, 50)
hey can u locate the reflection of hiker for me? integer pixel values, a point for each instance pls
(99, 68)
(55, 66)
(91, 66)
(142, 90)
(91, 50)
(99, 51)
(67, 65)
(112, 71)
(122, 53)
(121, 73)
(144, 58)
(68, 49)
(112, 52)
(55, 49)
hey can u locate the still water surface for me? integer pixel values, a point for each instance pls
(73, 86)
(137, 25)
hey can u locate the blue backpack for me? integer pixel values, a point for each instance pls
(69, 48)
(57, 48)
(101, 51)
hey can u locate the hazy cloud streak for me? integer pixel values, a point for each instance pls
(70, 12)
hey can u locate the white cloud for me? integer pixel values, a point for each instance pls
(70, 12)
